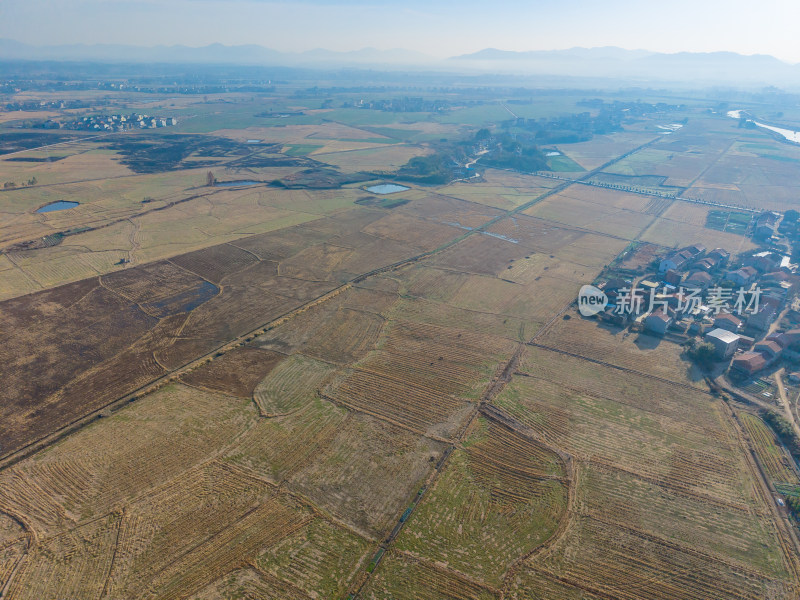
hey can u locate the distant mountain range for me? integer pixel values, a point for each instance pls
(250, 54)
(710, 67)
(606, 62)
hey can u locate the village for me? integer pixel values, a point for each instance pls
(736, 316)
(110, 122)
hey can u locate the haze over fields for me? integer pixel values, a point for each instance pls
(439, 29)
(712, 41)
(723, 68)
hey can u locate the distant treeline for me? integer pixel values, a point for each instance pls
(437, 168)
(502, 151)
(32, 105)
(583, 126)
(636, 108)
(507, 152)
(404, 105)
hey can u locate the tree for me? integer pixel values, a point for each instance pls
(483, 134)
(210, 179)
(703, 354)
(794, 505)
(791, 216)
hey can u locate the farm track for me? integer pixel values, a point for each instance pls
(385, 419)
(710, 166)
(113, 557)
(741, 395)
(787, 407)
(30, 537)
(790, 545)
(134, 241)
(448, 571)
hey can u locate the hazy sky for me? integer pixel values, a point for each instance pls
(438, 28)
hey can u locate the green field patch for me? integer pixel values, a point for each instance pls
(476, 115)
(380, 140)
(300, 149)
(778, 157)
(562, 163)
(730, 221)
(382, 202)
(757, 147)
(365, 116)
(403, 135)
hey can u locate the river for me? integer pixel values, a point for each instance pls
(792, 136)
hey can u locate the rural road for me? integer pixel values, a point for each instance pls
(784, 399)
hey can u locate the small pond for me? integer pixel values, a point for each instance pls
(387, 188)
(60, 205)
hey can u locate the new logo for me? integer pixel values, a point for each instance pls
(591, 300)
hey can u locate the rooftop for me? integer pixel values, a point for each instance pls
(728, 317)
(701, 276)
(659, 314)
(753, 361)
(723, 335)
(774, 346)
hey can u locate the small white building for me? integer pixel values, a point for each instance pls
(725, 342)
(657, 322)
(742, 276)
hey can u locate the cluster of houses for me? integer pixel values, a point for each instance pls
(680, 300)
(760, 355)
(766, 225)
(112, 122)
(402, 105)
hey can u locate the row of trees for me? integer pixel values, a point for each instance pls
(10, 185)
(784, 430)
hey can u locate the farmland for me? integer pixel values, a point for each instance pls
(681, 222)
(500, 498)
(291, 387)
